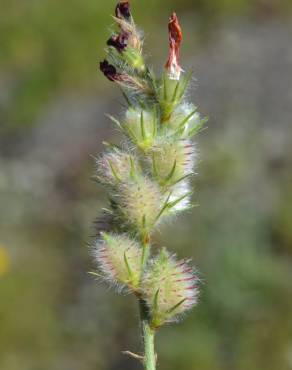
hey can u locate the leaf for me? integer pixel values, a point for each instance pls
(181, 126)
(127, 98)
(111, 146)
(155, 120)
(142, 125)
(140, 101)
(114, 171)
(155, 173)
(164, 88)
(165, 205)
(185, 84)
(175, 202)
(155, 300)
(127, 265)
(144, 222)
(175, 92)
(196, 129)
(171, 173)
(95, 274)
(182, 178)
(132, 165)
(114, 120)
(176, 306)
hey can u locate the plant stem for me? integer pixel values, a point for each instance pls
(148, 338)
(147, 333)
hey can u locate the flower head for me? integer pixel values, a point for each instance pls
(119, 260)
(172, 160)
(140, 202)
(116, 166)
(141, 126)
(169, 287)
(175, 38)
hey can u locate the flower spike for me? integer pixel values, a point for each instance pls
(147, 179)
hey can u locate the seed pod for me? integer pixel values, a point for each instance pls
(172, 160)
(141, 126)
(116, 166)
(119, 260)
(139, 203)
(169, 288)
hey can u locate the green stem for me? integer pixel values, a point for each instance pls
(148, 338)
(147, 333)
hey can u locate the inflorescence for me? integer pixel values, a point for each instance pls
(148, 178)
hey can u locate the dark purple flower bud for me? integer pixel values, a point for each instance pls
(123, 10)
(109, 71)
(119, 42)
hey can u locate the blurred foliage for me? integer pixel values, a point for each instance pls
(4, 261)
(53, 315)
(50, 45)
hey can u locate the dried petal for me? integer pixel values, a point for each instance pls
(175, 39)
(175, 32)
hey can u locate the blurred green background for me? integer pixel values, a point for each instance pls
(53, 100)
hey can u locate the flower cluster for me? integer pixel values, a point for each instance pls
(148, 178)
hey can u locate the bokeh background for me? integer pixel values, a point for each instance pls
(53, 100)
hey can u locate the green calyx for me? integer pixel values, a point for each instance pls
(172, 93)
(134, 58)
(141, 127)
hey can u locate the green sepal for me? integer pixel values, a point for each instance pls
(172, 92)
